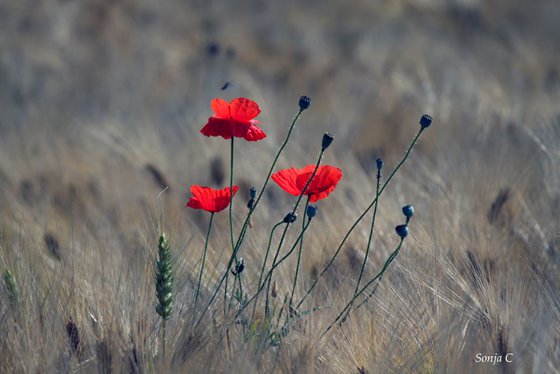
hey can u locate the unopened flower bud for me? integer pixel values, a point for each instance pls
(250, 204)
(327, 140)
(239, 268)
(402, 231)
(425, 121)
(253, 193)
(408, 211)
(379, 164)
(290, 217)
(304, 102)
(312, 210)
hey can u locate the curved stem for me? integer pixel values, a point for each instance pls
(317, 164)
(299, 256)
(267, 179)
(278, 263)
(164, 328)
(203, 261)
(369, 239)
(361, 217)
(379, 275)
(267, 305)
(264, 262)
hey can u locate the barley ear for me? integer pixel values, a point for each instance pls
(11, 287)
(164, 279)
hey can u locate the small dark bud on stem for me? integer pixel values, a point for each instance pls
(402, 231)
(290, 217)
(327, 140)
(379, 164)
(239, 268)
(408, 211)
(304, 102)
(253, 193)
(425, 121)
(312, 211)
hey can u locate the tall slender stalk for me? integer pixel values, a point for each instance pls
(371, 230)
(267, 304)
(264, 262)
(278, 263)
(267, 179)
(359, 219)
(203, 261)
(317, 164)
(379, 275)
(299, 255)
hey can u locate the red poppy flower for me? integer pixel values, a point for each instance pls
(209, 199)
(234, 119)
(324, 182)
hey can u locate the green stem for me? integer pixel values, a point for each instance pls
(203, 261)
(264, 262)
(278, 263)
(317, 164)
(231, 194)
(369, 240)
(267, 305)
(163, 337)
(362, 216)
(270, 170)
(379, 275)
(299, 255)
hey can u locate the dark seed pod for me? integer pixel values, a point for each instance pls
(402, 231)
(290, 217)
(239, 268)
(425, 121)
(327, 140)
(408, 211)
(304, 102)
(312, 210)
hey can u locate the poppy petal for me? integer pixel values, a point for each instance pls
(209, 199)
(249, 132)
(222, 198)
(324, 182)
(286, 179)
(218, 127)
(243, 110)
(220, 108)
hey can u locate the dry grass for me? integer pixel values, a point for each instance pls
(100, 107)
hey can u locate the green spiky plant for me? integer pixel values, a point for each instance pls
(11, 287)
(164, 284)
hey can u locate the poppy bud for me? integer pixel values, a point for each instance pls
(290, 217)
(327, 140)
(312, 210)
(250, 204)
(239, 268)
(379, 164)
(253, 192)
(408, 211)
(425, 121)
(304, 102)
(402, 231)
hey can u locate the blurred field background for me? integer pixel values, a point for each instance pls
(101, 103)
